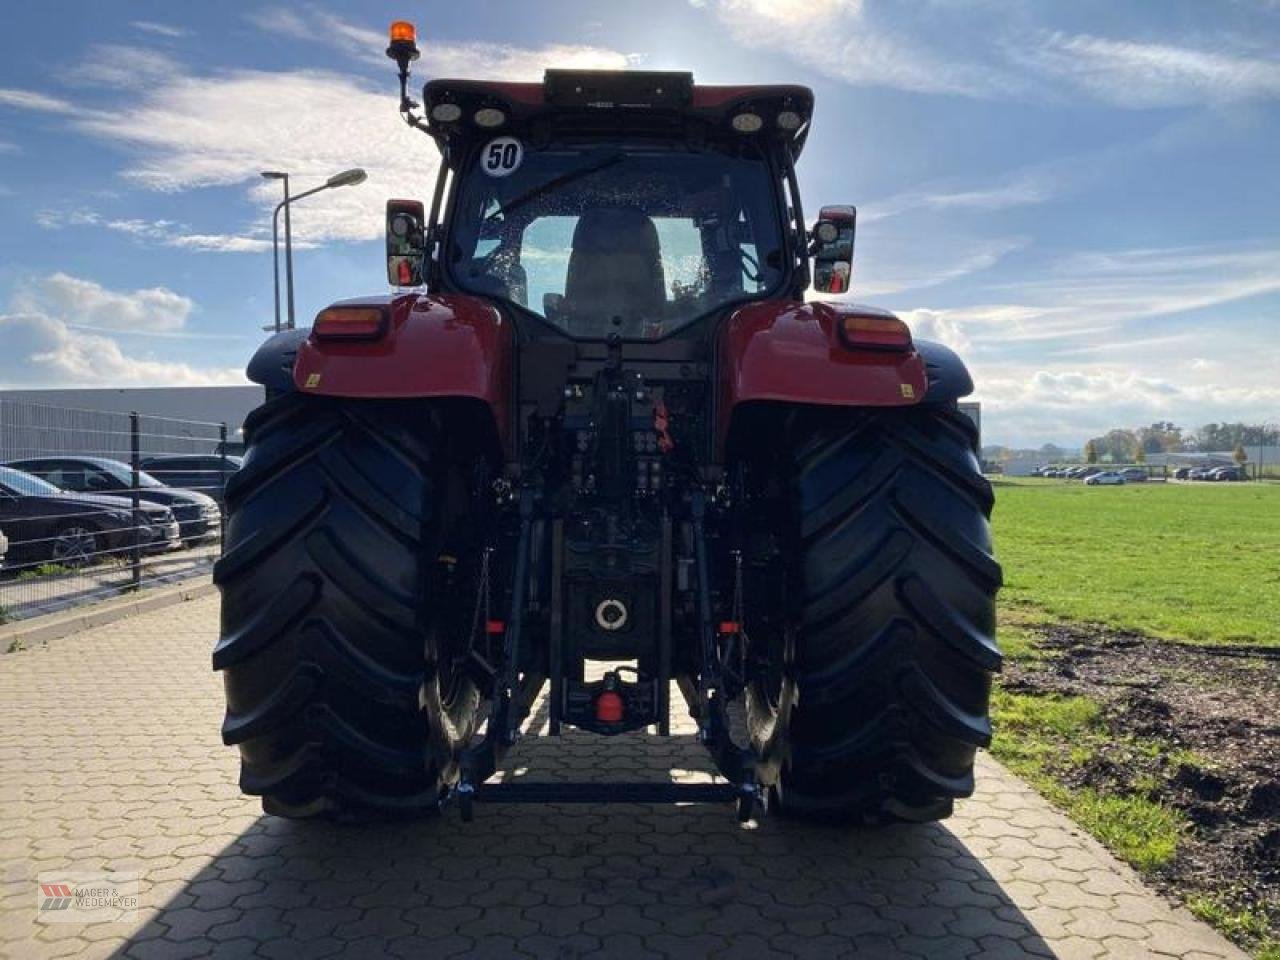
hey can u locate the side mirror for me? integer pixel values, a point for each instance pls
(832, 247)
(406, 243)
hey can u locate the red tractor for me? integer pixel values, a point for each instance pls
(603, 425)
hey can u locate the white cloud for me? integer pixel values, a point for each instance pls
(936, 325)
(220, 131)
(224, 243)
(891, 265)
(1130, 284)
(1085, 298)
(1027, 406)
(1024, 189)
(1130, 74)
(1099, 359)
(481, 60)
(74, 300)
(160, 29)
(783, 13)
(988, 51)
(121, 66)
(41, 351)
(839, 39)
(168, 233)
(32, 100)
(223, 129)
(46, 342)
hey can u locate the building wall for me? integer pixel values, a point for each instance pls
(172, 420)
(229, 405)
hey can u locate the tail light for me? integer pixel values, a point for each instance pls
(350, 323)
(609, 707)
(860, 331)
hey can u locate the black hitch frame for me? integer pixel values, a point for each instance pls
(513, 695)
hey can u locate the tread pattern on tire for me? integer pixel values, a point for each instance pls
(331, 522)
(896, 642)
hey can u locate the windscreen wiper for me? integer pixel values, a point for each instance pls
(554, 183)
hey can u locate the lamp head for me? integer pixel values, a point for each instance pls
(348, 178)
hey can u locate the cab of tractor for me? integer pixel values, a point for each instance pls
(598, 441)
(624, 205)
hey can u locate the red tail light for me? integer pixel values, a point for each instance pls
(350, 323)
(860, 331)
(609, 707)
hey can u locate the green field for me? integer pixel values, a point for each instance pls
(1197, 562)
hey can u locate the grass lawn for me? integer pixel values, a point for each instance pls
(1043, 738)
(1198, 562)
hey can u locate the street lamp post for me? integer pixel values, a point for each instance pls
(275, 240)
(348, 178)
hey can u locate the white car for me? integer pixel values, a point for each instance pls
(1108, 478)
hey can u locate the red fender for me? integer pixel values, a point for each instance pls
(790, 352)
(435, 346)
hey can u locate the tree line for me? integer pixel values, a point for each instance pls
(1163, 436)
(1133, 446)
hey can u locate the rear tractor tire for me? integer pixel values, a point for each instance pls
(884, 689)
(335, 525)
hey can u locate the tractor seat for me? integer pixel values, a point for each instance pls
(615, 270)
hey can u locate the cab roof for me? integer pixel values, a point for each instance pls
(601, 102)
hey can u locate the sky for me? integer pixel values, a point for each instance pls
(1083, 198)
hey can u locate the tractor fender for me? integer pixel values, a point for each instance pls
(949, 378)
(788, 352)
(435, 346)
(272, 364)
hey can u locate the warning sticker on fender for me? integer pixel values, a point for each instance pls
(502, 157)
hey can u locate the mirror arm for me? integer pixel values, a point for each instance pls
(435, 229)
(804, 272)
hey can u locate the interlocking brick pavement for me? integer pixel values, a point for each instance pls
(110, 759)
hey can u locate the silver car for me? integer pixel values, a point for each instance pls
(1107, 478)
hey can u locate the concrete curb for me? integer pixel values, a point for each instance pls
(54, 626)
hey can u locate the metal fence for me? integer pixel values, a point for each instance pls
(96, 504)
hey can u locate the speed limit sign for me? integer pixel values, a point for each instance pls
(501, 157)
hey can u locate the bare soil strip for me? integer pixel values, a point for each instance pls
(1215, 713)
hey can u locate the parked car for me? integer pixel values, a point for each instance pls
(49, 525)
(1200, 473)
(198, 514)
(1181, 473)
(1232, 474)
(203, 474)
(1107, 478)
(1134, 475)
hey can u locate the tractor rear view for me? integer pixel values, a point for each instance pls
(599, 444)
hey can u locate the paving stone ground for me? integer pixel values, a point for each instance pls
(110, 759)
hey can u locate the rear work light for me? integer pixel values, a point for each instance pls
(860, 331)
(350, 323)
(489, 118)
